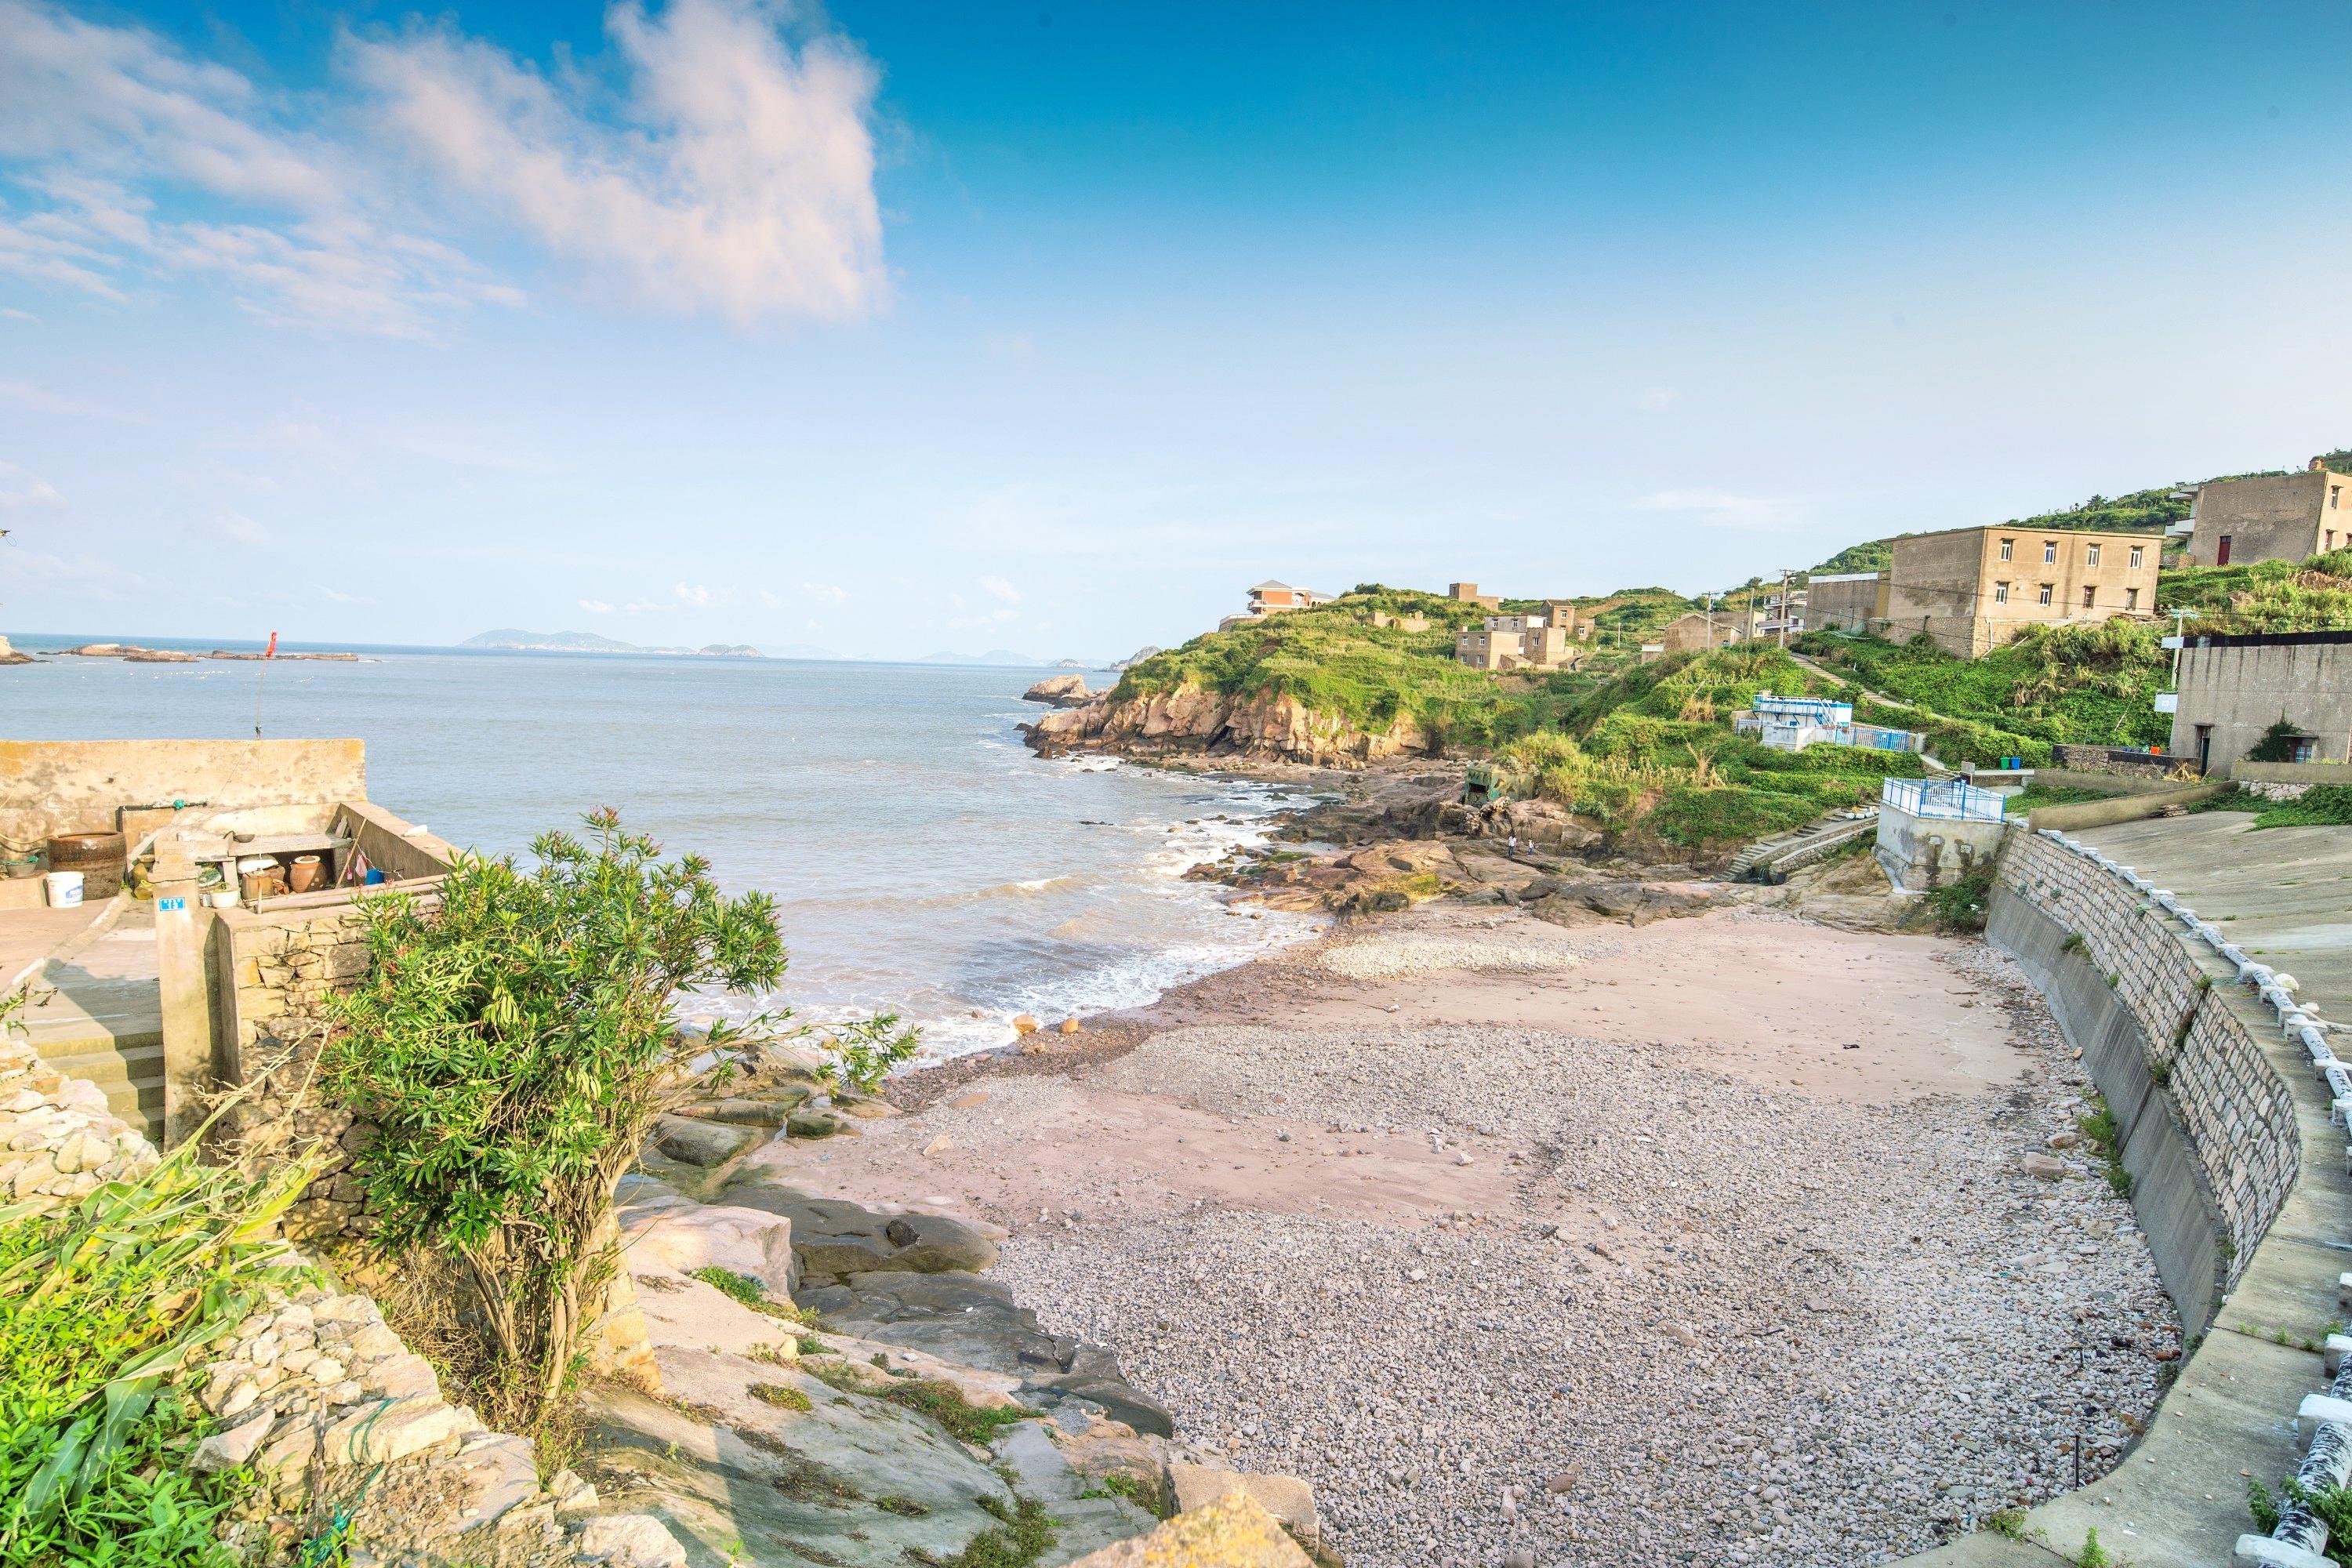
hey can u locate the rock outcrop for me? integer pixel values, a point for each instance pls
(1264, 724)
(1058, 691)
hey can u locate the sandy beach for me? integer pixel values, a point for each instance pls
(1573, 1241)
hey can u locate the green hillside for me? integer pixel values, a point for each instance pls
(1649, 755)
(2083, 685)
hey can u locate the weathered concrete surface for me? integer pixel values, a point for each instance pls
(2179, 1498)
(2083, 813)
(75, 786)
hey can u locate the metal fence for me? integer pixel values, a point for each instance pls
(1952, 798)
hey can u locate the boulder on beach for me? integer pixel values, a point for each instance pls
(1058, 691)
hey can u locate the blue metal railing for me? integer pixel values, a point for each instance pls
(1951, 799)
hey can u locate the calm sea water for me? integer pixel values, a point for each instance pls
(924, 860)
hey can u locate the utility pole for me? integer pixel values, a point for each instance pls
(1711, 625)
(1784, 607)
(2180, 635)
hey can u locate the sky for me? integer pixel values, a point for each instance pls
(889, 328)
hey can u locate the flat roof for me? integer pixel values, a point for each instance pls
(2144, 536)
(2268, 640)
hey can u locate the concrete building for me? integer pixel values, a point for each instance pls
(2283, 516)
(1515, 642)
(1768, 615)
(2232, 689)
(1270, 597)
(1845, 601)
(1974, 589)
(1699, 630)
(1468, 594)
(1934, 831)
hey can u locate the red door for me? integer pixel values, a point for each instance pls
(2222, 555)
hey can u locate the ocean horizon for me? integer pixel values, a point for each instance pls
(923, 859)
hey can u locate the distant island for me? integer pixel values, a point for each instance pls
(508, 639)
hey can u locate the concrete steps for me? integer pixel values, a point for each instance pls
(101, 1018)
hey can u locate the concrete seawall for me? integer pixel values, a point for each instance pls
(2170, 1193)
(2221, 1092)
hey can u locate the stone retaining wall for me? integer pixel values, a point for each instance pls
(2236, 1114)
(322, 1399)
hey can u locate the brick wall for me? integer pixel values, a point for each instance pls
(2239, 1113)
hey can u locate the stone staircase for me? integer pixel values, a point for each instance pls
(1785, 852)
(101, 1018)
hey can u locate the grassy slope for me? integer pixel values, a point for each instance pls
(2269, 596)
(1649, 755)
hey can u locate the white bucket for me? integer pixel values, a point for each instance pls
(65, 888)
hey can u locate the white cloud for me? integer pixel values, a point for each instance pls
(98, 120)
(40, 400)
(85, 575)
(19, 491)
(734, 174)
(1722, 508)
(1655, 400)
(998, 588)
(336, 596)
(741, 184)
(596, 606)
(829, 591)
(692, 594)
(243, 530)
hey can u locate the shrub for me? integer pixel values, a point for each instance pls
(1962, 906)
(512, 1049)
(2277, 745)
(2321, 806)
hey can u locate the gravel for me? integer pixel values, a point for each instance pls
(1718, 1323)
(1390, 951)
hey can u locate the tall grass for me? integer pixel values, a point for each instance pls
(103, 1305)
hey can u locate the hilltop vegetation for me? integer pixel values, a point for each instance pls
(1333, 659)
(2265, 597)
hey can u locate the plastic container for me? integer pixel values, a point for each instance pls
(221, 898)
(64, 889)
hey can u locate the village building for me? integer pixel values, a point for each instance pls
(1773, 615)
(1270, 597)
(1698, 630)
(1468, 594)
(1792, 723)
(1515, 642)
(1845, 601)
(2280, 517)
(2232, 690)
(1974, 589)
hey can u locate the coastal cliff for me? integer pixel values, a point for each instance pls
(1262, 724)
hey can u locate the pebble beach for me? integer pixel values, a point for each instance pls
(1371, 1213)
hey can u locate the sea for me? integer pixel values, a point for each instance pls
(924, 861)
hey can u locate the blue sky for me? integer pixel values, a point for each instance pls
(890, 329)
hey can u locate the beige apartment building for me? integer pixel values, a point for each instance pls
(1467, 593)
(1974, 589)
(2285, 517)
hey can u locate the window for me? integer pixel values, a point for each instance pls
(2331, 539)
(2090, 596)
(2131, 598)
(2006, 546)
(2305, 750)
(2049, 552)
(2335, 492)
(2045, 592)
(2091, 556)
(2140, 554)
(2000, 593)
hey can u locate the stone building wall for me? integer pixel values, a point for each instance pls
(2239, 1114)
